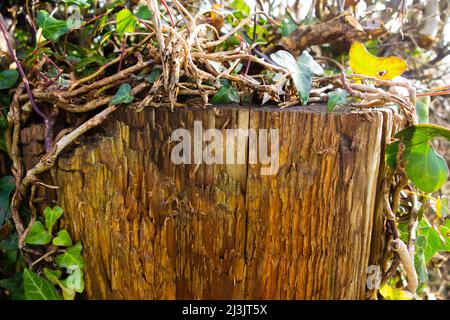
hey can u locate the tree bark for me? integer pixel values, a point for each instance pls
(155, 230)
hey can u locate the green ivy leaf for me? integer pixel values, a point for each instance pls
(38, 235)
(306, 61)
(287, 27)
(10, 256)
(62, 239)
(302, 71)
(71, 258)
(422, 109)
(52, 216)
(75, 281)
(226, 94)
(8, 78)
(419, 259)
(435, 241)
(442, 207)
(422, 133)
(144, 13)
(424, 166)
(123, 95)
(88, 61)
(7, 185)
(14, 286)
(241, 9)
(125, 21)
(80, 3)
(153, 76)
(68, 294)
(52, 28)
(52, 275)
(336, 97)
(11, 243)
(3, 126)
(38, 288)
(114, 4)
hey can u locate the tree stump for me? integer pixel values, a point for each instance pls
(152, 229)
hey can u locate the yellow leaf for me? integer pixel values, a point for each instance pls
(384, 68)
(217, 19)
(391, 293)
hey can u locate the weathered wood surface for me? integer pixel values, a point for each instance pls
(155, 230)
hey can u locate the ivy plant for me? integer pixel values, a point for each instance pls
(63, 277)
(302, 71)
(424, 166)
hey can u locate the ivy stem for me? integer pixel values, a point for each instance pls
(168, 12)
(436, 93)
(47, 121)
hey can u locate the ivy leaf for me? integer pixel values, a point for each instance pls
(287, 27)
(14, 286)
(226, 94)
(391, 293)
(336, 97)
(419, 259)
(52, 28)
(302, 71)
(62, 239)
(144, 13)
(3, 126)
(241, 8)
(8, 78)
(51, 217)
(423, 133)
(424, 166)
(123, 95)
(88, 61)
(80, 3)
(11, 243)
(442, 207)
(110, 5)
(52, 275)
(38, 288)
(435, 241)
(306, 61)
(71, 258)
(68, 294)
(385, 68)
(38, 235)
(153, 76)
(125, 21)
(74, 281)
(7, 185)
(422, 109)
(302, 78)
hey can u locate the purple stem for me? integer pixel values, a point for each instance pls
(59, 71)
(122, 54)
(47, 121)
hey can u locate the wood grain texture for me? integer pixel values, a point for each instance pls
(155, 230)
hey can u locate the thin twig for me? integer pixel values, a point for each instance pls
(47, 121)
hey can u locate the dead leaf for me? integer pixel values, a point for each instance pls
(384, 68)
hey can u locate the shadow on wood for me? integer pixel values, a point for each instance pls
(155, 230)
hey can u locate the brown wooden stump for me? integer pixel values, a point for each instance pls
(155, 230)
